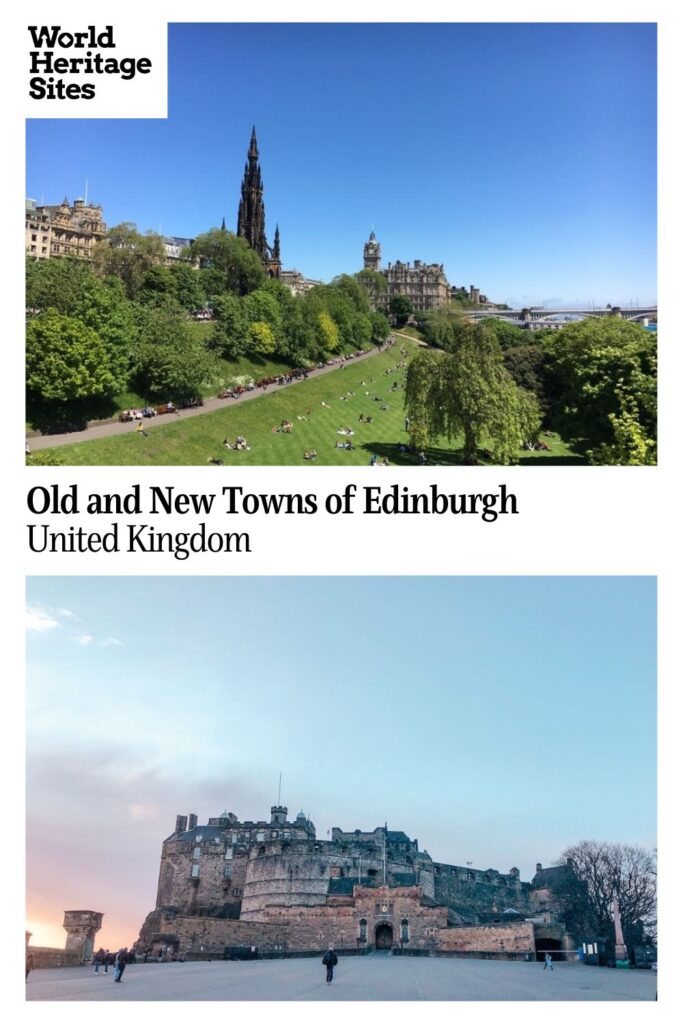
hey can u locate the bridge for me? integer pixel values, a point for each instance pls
(536, 317)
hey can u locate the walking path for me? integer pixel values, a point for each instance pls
(210, 405)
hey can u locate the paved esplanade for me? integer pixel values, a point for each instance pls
(355, 978)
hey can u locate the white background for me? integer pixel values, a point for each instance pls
(572, 520)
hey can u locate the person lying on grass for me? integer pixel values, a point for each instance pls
(311, 454)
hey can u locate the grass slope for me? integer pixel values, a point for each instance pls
(193, 441)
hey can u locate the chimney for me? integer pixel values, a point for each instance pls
(192, 821)
(539, 867)
(181, 823)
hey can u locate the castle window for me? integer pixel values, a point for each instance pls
(198, 838)
(405, 933)
(260, 836)
(228, 853)
(363, 930)
(195, 871)
(197, 852)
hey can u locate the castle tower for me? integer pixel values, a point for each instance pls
(278, 815)
(372, 254)
(81, 928)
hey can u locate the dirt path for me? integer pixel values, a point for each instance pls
(210, 405)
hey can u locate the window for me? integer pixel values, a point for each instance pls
(34, 238)
(363, 930)
(198, 838)
(228, 853)
(197, 852)
(195, 870)
(404, 930)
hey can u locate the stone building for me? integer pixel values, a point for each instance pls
(251, 214)
(425, 284)
(275, 885)
(63, 230)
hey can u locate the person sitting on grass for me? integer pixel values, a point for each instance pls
(325, 405)
(346, 445)
(345, 430)
(241, 444)
(226, 443)
(311, 454)
(214, 461)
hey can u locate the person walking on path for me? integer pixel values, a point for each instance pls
(99, 960)
(330, 961)
(120, 963)
(29, 964)
(548, 962)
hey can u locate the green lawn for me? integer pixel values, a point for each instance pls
(195, 440)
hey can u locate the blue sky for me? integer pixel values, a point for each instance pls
(496, 720)
(522, 156)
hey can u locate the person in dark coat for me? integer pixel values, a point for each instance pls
(330, 961)
(120, 963)
(29, 964)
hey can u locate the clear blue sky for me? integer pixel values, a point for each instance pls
(522, 156)
(496, 720)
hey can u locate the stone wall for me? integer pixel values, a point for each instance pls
(496, 939)
(471, 893)
(44, 956)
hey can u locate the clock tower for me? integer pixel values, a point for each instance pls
(372, 254)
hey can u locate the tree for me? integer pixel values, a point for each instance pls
(442, 325)
(601, 872)
(380, 328)
(230, 329)
(170, 360)
(187, 285)
(606, 379)
(468, 390)
(104, 307)
(374, 283)
(128, 255)
(508, 334)
(400, 308)
(528, 367)
(262, 306)
(327, 333)
(261, 338)
(56, 283)
(65, 359)
(237, 268)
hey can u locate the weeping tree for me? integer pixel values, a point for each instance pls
(466, 390)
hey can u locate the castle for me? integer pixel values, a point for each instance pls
(275, 887)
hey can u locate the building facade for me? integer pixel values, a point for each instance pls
(274, 885)
(63, 230)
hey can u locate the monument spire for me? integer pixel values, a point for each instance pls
(251, 214)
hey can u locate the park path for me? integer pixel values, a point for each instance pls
(210, 405)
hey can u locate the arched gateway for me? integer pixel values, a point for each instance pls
(384, 936)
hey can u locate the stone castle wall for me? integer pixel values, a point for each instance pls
(470, 893)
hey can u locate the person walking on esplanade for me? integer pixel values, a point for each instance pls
(330, 961)
(99, 960)
(120, 963)
(548, 962)
(29, 964)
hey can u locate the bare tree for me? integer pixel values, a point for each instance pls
(604, 871)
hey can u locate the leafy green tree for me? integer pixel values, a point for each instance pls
(374, 283)
(509, 335)
(56, 284)
(65, 359)
(528, 367)
(262, 306)
(128, 255)
(236, 267)
(379, 328)
(187, 284)
(230, 329)
(605, 374)
(442, 325)
(352, 289)
(157, 288)
(400, 308)
(170, 360)
(468, 390)
(104, 307)
(261, 338)
(327, 333)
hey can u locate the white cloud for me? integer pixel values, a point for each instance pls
(111, 641)
(66, 613)
(38, 620)
(84, 639)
